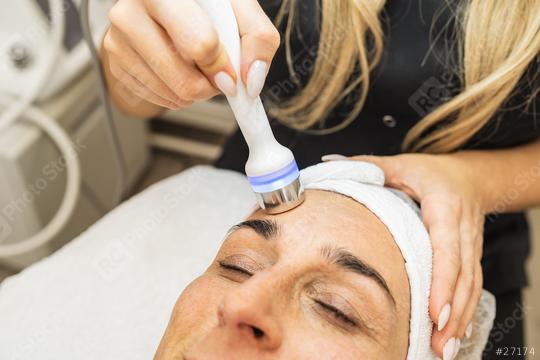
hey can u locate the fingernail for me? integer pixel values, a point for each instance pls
(444, 315)
(449, 348)
(468, 331)
(256, 78)
(225, 83)
(457, 346)
(333, 157)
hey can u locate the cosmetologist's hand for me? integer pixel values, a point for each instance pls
(168, 53)
(453, 209)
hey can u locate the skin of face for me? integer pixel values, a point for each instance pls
(296, 292)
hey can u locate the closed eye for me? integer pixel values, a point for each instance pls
(336, 313)
(235, 268)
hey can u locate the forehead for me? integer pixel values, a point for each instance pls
(327, 218)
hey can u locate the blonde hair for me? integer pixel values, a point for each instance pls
(497, 40)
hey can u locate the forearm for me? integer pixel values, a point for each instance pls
(124, 99)
(508, 179)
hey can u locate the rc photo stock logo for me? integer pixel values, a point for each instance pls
(5, 229)
(434, 92)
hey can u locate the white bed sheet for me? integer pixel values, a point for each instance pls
(109, 293)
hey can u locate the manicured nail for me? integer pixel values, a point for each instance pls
(225, 83)
(333, 157)
(468, 330)
(444, 315)
(449, 349)
(256, 78)
(457, 347)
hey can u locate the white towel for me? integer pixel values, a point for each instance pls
(364, 182)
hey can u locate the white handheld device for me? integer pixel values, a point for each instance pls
(271, 168)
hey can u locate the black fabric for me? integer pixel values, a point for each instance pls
(414, 76)
(507, 333)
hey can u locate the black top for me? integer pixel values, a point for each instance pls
(414, 76)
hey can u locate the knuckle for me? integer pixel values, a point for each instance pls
(141, 92)
(184, 90)
(439, 247)
(270, 37)
(204, 45)
(154, 62)
(116, 72)
(118, 14)
(468, 282)
(108, 43)
(455, 317)
(447, 254)
(137, 71)
(477, 293)
(454, 260)
(201, 89)
(455, 203)
(480, 283)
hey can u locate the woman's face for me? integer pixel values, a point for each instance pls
(323, 281)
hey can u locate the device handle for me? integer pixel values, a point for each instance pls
(266, 154)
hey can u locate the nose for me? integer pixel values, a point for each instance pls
(248, 318)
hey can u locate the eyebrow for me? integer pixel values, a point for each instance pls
(349, 262)
(270, 229)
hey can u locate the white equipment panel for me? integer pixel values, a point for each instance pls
(32, 172)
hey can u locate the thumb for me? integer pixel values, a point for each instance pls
(395, 172)
(260, 41)
(388, 164)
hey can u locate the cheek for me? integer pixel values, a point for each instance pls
(195, 311)
(328, 347)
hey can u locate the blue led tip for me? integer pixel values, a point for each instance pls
(275, 180)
